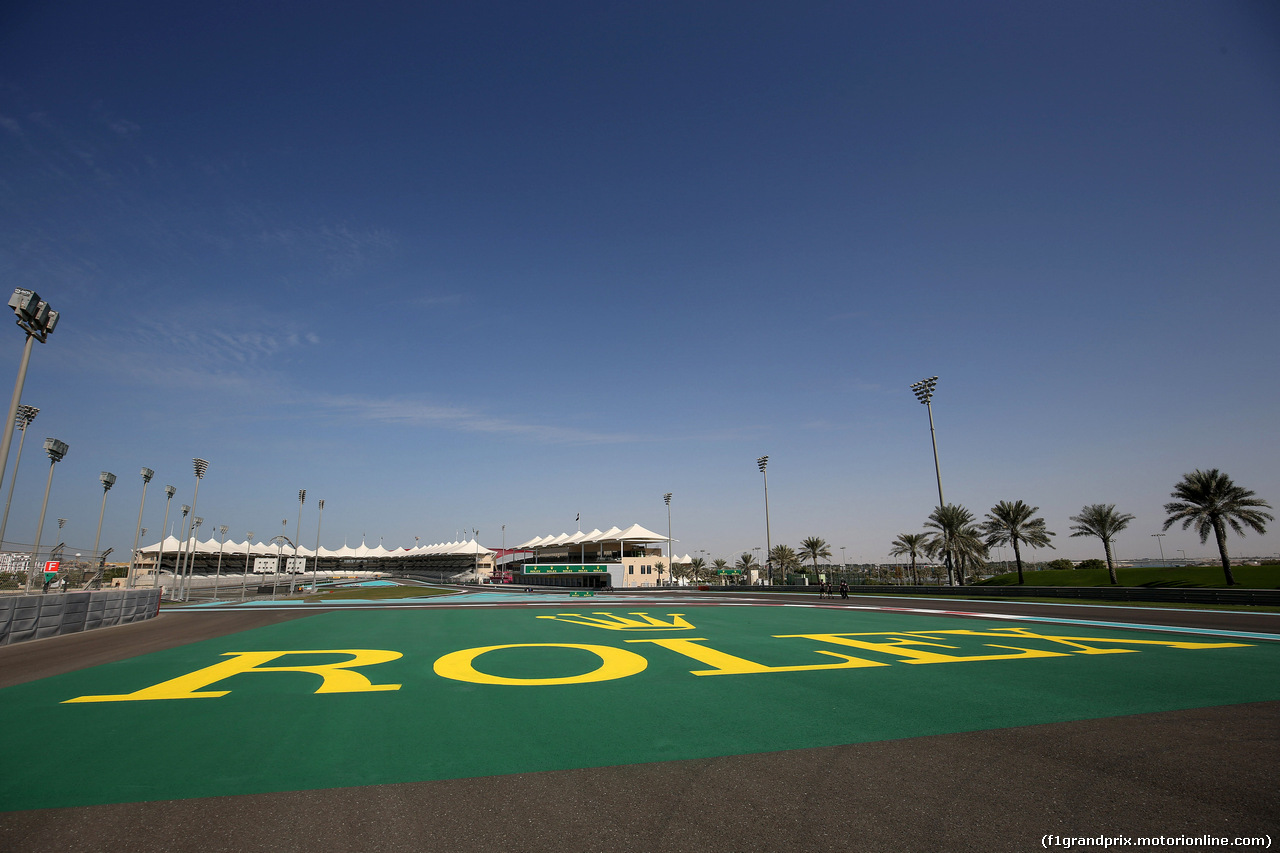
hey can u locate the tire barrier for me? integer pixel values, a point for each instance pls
(34, 617)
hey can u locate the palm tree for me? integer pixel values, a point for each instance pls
(659, 567)
(746, 563)
(912, 545)
(1012, 524)
(695, 569)
(1210, 501)
(815, 548)
(718, 565)
(786, 560)
(1103, 521)
(957, 539)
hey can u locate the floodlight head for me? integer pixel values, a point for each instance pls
(222, 528)
(170, 491)
(147, 474)
(50, 322)
(24, 302)
(185, 509)
(924, 389)
(320, 503)
(201, 466)
(107, 479)
(249, 536)
(61, 523)
(41, 314)
(55, 448)
(302, 496)
(26, 414)
(763, 462)
(197, 521)
(667, 498)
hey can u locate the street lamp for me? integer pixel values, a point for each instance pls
(169, 492)
(38, 321)
(924, 393)
(671, 560)
(315, 560)
(108, 480)
(222, 540)
(147, 474)
(1159, 537)
(763, 463)
(56, 450)
(25, 415)
(297, 537)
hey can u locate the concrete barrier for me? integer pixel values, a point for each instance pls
(32, 617)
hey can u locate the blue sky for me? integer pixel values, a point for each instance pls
(455, 266)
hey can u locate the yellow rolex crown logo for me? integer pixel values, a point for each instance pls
(618, 622)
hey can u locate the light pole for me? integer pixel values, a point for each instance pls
(315, 564)
(181, 549)
(191, 557)
(1184, 557)
(670, 554)
(844, 563)
(1159, 537)
(297, 537)
(56, 450)
(279, 540)
(24, 417)
(147, 474)
(222, 540)
(200, 466)
(108, 480)
(248, 547)
(924, 393)
(763, 464)
(169, 492)
(36, 319)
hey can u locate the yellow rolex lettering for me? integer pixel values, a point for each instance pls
(614, 663)
(1078, 643)
(335, 677)
(909, 649)
(727, 664)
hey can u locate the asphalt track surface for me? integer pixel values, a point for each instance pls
(1175, 773)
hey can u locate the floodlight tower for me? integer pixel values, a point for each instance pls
(763, 463)
(108, 480)
(147, 474)
(56, 450)
(191, 557)
(315, 560)
(36, 319)
(222, 540)
(924, 393)
(200, 466)
(177, 563)
(169, 492)
(24, 417)
(297, 537)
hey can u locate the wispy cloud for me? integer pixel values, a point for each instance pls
(344, 249)
(411, 412)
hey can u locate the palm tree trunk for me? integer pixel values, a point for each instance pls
(1111, 569)
(1220, 533)
(1017, 557)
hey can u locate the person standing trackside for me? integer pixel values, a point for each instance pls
(844, 589)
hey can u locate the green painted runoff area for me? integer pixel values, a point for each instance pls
(272, 731)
